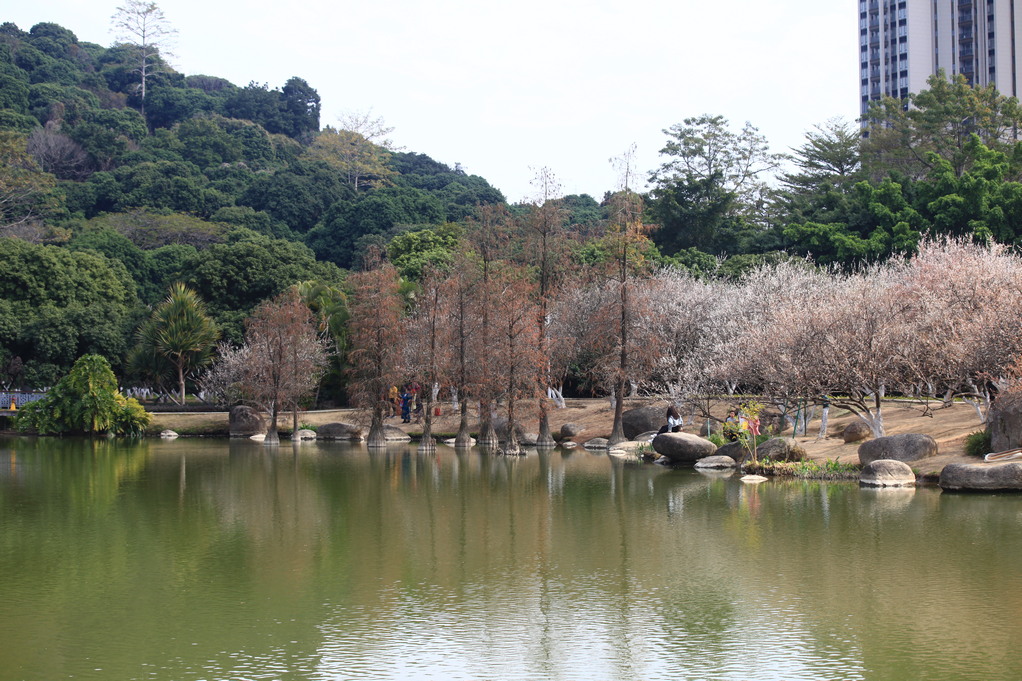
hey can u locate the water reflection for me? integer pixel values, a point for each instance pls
(199, 559)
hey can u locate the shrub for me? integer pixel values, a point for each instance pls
(978, 443)
(717, 439)
(85, 401)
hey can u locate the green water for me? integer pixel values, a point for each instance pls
(197, 559)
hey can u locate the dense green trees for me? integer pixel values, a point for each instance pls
(57, 304)
(237, 275)
(383, 212)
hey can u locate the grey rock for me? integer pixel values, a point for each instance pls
(646, 437)
(982, 477)
(304, 434)
(1005, 423)
(597, 443)
(395, 434)
(340, 431)
(717, 461)
(244, 421)
(168, 434)
(904, 447)
(500, 427)
(857, 431)
(887, 473)
(683, 448)
(736, 450)
(781, 449)
(709, 427)
(642, 419)
(570, 430)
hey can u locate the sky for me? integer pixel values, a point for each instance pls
(508, 88)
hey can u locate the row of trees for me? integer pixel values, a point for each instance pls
(942, 324)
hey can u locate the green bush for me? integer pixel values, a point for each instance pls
(717, 439)
(85, 401)
(978, 443)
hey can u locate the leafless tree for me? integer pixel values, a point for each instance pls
(143, 25)
(57, 153)
(518, 360)
(626, 234)
(545, 225)
(375, 332)
(286, 356)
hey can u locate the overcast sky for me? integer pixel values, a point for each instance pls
(507, 88)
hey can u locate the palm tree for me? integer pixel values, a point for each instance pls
(178, 336)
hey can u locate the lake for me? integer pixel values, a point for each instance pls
(203, 559)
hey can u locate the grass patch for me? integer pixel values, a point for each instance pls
(805, 470)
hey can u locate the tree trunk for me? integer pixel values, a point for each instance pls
(545, 439)
(487, 435)
(823, 424)
(272, 438)
(181, 381)
(427, 445)
(617, 435)
(512, 447)
(464, 438)
(377, 437)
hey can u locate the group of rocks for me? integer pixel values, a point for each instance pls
(885, 460)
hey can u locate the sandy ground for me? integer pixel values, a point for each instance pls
(948, 426)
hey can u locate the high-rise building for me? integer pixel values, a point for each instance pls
(904, 42)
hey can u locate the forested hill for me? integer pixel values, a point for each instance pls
(199, 145)
(236, 190)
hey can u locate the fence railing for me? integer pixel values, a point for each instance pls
(18, 398)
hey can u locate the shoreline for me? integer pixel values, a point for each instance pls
(948, 426)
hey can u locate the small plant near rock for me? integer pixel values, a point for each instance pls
(978, 443)
(805, 470)
(645, 452)
(307, 426)
(717, 439)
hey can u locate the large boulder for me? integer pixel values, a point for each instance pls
(244, 421)
(736, 450)
(708, 427)
(500, 427)
(982, 477)
(856, 431)
(1005, 423)
(340, 431)
(642, 419)
(570, 430)
(683, 448)
(887, 473)
(395, 434)
(904, 447)
(781, 449)
(303, 434)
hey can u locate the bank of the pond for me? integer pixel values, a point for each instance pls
(594, 418)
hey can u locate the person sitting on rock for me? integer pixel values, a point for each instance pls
(674, 421)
